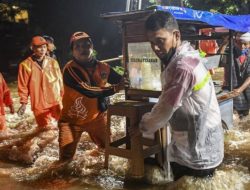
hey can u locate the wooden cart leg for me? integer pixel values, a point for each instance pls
(107, 142)
(137, 151)
(138, 159)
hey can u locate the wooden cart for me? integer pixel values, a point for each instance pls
(143, 69)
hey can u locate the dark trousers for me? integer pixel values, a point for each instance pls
(243, 113)
(179, 171)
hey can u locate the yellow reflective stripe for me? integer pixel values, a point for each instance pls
(26, 67)
(201, 84)
(51, 77)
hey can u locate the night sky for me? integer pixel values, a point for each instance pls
(59, 19)
(64, 17)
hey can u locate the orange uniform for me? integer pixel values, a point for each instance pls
(209, 46)
(84, 107)
(5, 100)
(43, 83)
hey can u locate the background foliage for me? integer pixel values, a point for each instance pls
(222, 6)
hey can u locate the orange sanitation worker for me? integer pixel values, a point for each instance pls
(40, 78)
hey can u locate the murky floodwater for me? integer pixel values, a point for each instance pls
(26, 164)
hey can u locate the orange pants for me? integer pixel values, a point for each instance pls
(2, 123)
(44, 117)
(69, 135)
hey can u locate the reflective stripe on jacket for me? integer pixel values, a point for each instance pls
(188, 101)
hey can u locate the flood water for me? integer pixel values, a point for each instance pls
(25, 165)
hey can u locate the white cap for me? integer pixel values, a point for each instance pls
(245, 37)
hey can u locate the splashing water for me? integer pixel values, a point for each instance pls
(87, 171)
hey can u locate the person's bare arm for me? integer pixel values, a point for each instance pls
(239, 90)
(224, 45)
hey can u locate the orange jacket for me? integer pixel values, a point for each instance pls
(5, 97)
(83, 90)
(209, 46)
(43, 83)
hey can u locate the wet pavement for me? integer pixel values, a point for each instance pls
(25, 165)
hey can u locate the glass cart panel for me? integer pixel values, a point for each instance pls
(144, 67)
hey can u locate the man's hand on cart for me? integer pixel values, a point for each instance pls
(124, 83)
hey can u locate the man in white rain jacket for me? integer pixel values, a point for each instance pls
(188, 101)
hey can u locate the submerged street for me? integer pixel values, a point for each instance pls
(160, 63)
(26, 165)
